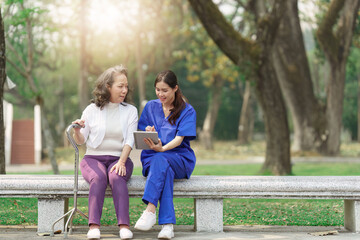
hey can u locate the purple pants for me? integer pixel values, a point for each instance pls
(96, 171)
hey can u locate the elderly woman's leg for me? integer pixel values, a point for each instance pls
(120, 192)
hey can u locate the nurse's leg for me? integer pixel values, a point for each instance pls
(176, 170)
(95, 173)
(156, 173)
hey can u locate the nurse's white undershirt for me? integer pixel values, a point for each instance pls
(113, 139)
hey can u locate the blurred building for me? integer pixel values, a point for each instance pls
(22, 137)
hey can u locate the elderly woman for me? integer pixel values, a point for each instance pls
(107, 129)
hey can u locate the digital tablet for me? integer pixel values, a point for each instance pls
(139, 139)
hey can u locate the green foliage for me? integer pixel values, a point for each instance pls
(171, 38)
(350, 121)
(205, 63)
(203, 59)
(229, 113)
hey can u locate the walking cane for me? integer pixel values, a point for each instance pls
(75, 210)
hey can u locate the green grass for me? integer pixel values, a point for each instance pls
(299, 169)
(236, 211)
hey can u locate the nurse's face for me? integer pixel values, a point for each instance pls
(165, 93)
(119, 89)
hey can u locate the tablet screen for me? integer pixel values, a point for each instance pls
(139, 139)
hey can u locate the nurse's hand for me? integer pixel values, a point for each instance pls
(150, 129)
(156, 147)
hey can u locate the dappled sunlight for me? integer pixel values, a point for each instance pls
(109, 15)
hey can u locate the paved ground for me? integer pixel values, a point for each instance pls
(186, 232)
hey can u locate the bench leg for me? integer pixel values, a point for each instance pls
(208, 215)
(352, 215)
(49, 210)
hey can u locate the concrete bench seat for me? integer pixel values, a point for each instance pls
(208, 192)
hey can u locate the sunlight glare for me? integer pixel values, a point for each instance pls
(112, 15)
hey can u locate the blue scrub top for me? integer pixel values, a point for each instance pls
(185, 125)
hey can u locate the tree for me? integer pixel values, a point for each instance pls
(2, 82)
(21, 37)
(316, 125)
(206, 63)
(292, 68)
(246, 122)
(254, 53)
(335, 34)
(83, 88)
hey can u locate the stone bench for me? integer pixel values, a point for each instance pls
(208, 192)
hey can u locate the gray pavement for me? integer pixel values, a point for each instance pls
(186, 232)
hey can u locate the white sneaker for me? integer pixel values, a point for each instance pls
(125, 233)
(167, 232)
(146, 221)
(93, 233)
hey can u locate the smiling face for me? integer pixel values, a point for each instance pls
(119, 89)
(165, 93)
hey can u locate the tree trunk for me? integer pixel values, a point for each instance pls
(292, 68)
(334, 107)
(49, 140)
(277, 158)
(83, 87)
(2, 82)
(140, 73)
(207, 132)
(336, 47)
(246, 117)
(358, 109)
(244, 51)
(61, 123)
(27, 72)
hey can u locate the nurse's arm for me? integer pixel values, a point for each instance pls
(173, 143)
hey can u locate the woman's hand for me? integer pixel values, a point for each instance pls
(119, 168)
(150, 129)
(156, 147)
(78, 137)
(80, 122)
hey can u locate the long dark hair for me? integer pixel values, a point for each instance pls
(179, 103)
(106, 79)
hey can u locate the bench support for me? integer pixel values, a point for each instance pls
(49, 210)
(352, 215)
(208, 215)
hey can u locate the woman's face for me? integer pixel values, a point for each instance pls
(165, 93)
(119, 89)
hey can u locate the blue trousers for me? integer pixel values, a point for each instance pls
(161, 169)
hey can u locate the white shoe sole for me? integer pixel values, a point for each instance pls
(166, 237)
(141, 228)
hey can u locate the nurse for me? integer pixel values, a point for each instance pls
(172, 157)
